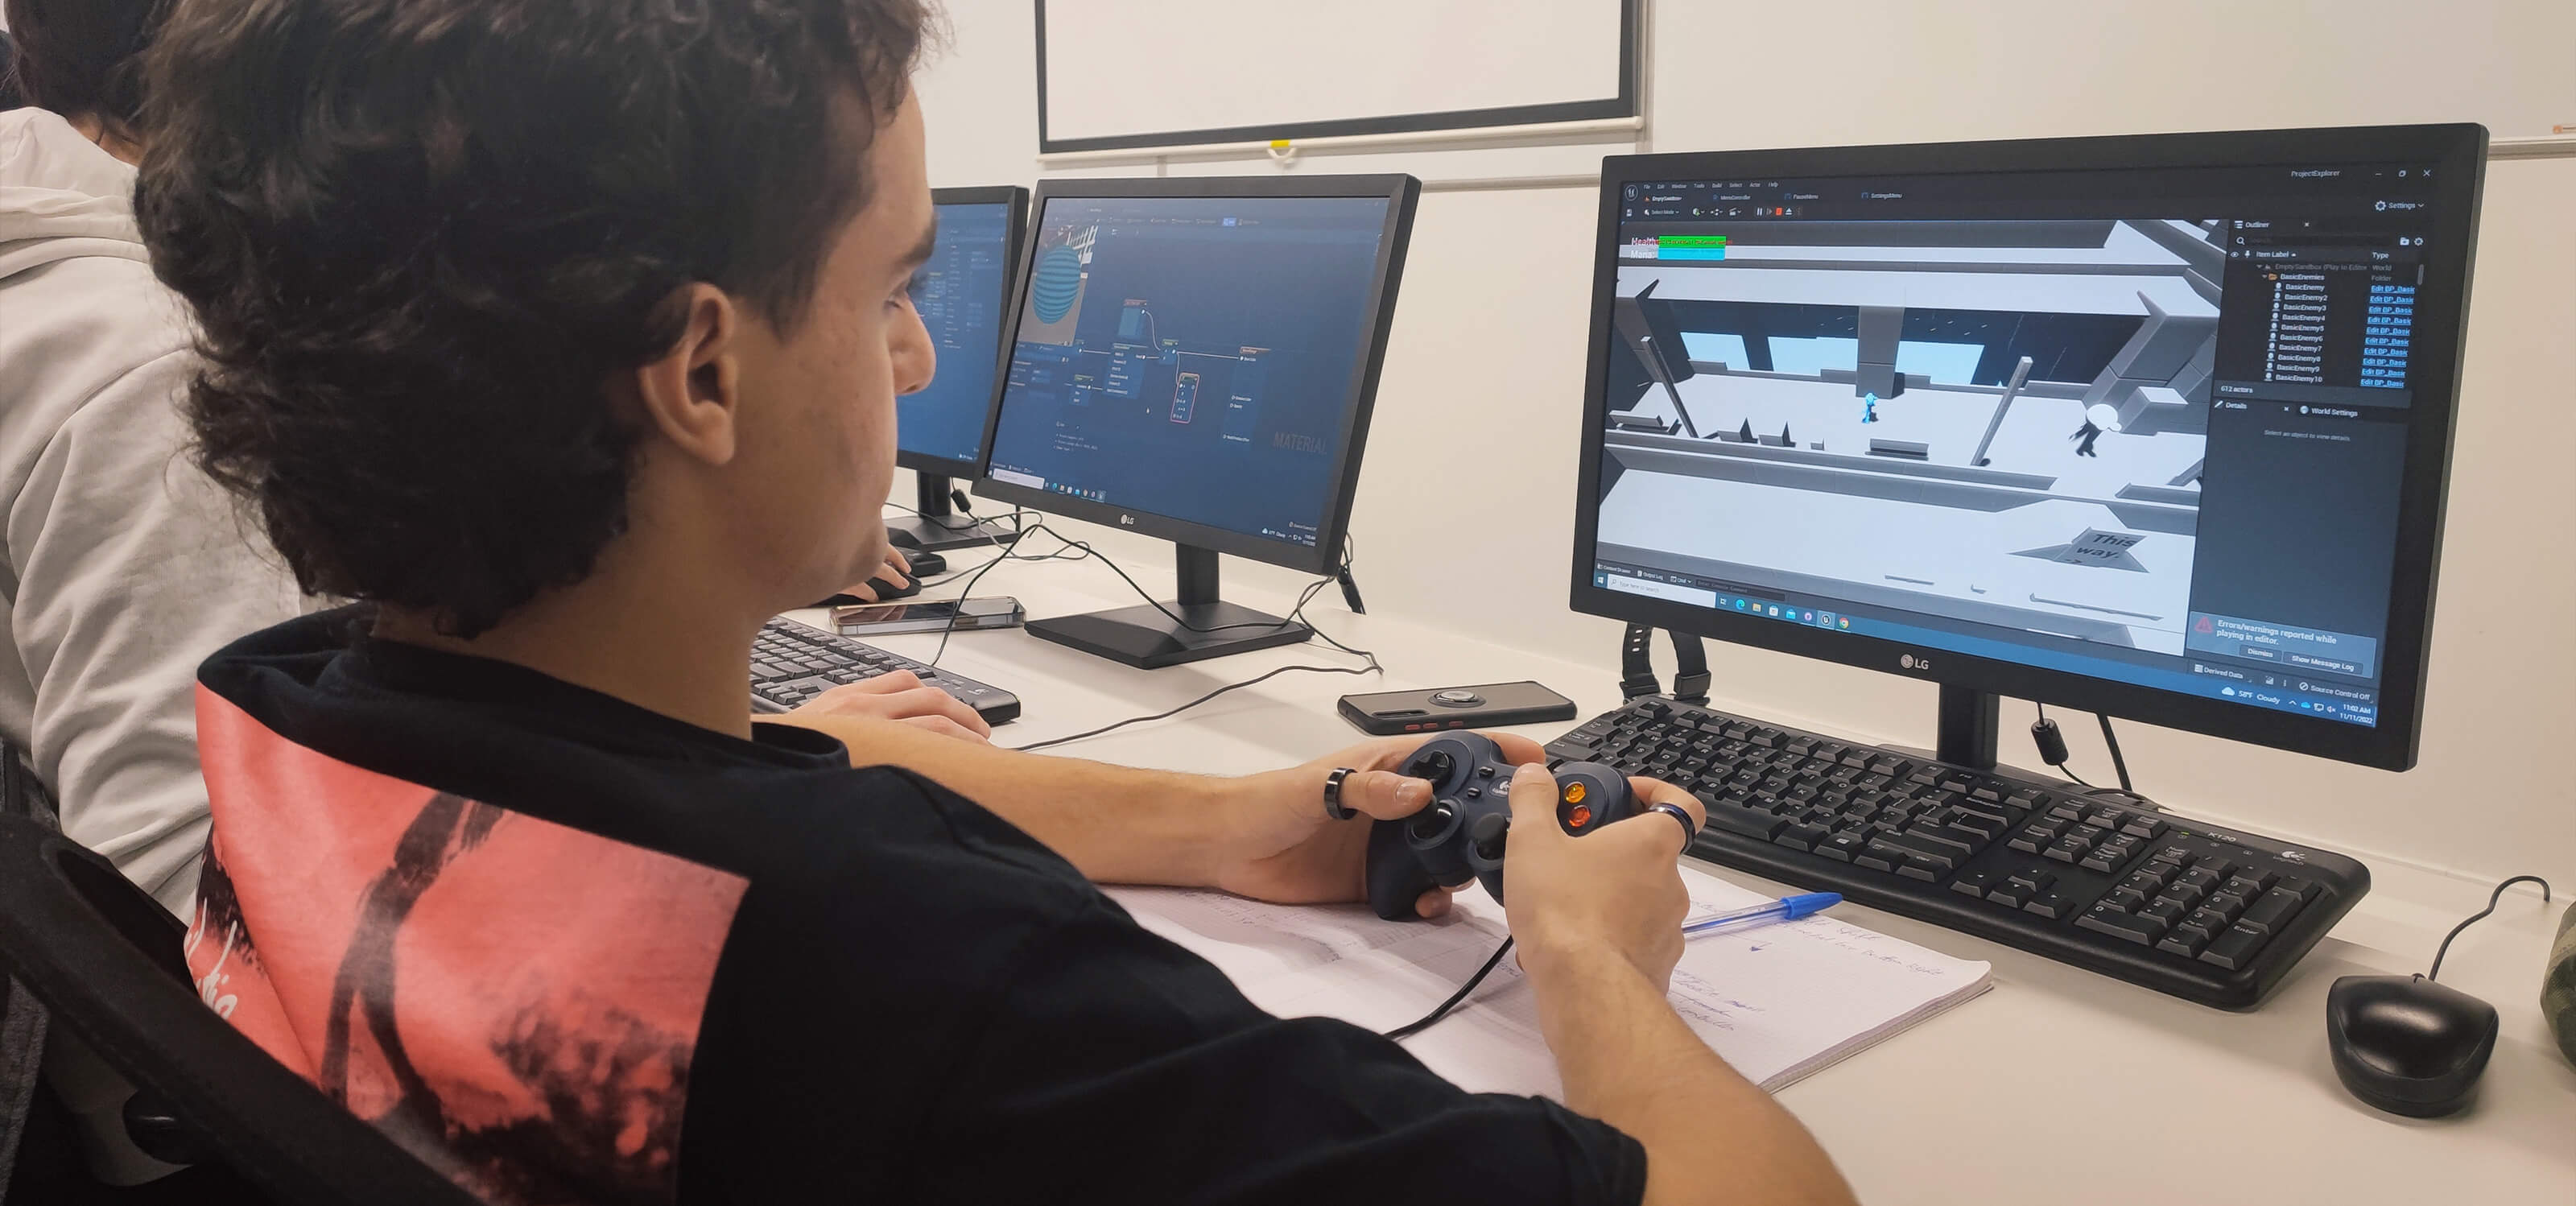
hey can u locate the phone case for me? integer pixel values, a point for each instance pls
(1395, 713)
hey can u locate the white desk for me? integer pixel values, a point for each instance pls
(2058, 1087)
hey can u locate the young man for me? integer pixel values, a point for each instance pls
(565, 334)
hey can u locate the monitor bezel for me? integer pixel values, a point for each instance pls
(2458, 151)
(1401, 192)
(1017, 198)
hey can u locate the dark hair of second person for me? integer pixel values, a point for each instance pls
(80, 58)
(407, 337)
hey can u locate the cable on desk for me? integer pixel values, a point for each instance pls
(2436, 973)
(1413, 1028)
(1052, 742)
(1296, 615)
(2052, 750)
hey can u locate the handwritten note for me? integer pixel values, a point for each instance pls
(1778, 1002)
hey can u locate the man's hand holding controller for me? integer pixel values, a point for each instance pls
(1597, 923)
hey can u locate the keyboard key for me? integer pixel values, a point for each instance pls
(2235, 949)
(2268, 914)
(1841, 847)
(2126, 899)
(1944, 855)
(2033, 839)
(2227, 904)
(1802, 836)
(2145, 827)
(1879, 856)
(2211, 922)
(2164, 909)
(2051, 904)
(2250, 884)
(2065, 850)
(2145, 880)
(1973, 883)
(2009, 895)
(2032, 881)
(1923, 867)
(2215, 865)
(2307, 889)
(2173, 854)
(1930, 840)
(2185, 942)
(2103, 919)
(2105, 860)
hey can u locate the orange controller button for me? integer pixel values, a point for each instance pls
(1574, 793)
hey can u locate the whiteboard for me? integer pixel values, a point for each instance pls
(1115, 74)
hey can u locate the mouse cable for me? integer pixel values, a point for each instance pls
(1413, 1028)
(2436, 973)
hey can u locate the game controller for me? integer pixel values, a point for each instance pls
(1459, 835)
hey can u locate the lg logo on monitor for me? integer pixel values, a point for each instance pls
(1126, 521)
(1911, 662)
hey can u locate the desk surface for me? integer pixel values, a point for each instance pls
(2059, 1086)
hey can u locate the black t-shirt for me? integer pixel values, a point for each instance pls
(894, 994)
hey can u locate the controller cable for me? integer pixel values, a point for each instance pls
(1417, 1027)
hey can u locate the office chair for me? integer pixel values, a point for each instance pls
(105, 960)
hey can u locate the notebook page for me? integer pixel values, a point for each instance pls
(1778, 1002)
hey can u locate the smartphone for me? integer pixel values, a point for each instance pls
(962, 615)
(1492, 705)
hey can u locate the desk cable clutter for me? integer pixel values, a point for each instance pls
(1637, 668)
(1078, 550)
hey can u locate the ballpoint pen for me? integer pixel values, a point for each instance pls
(1787, 908)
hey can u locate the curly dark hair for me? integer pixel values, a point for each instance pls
(420, 235)
(79, 57)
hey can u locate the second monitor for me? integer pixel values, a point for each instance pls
(963, 294)
(1195, 359)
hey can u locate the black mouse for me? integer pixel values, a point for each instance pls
(2408, 1045)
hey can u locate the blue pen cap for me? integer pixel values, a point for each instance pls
(1809, 902)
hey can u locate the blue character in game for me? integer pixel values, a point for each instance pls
(1869, 408)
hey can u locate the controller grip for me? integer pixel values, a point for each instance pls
(1396, 877)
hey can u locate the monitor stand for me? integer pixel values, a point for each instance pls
(938, 527)
(1968, 735)
(1147, 639)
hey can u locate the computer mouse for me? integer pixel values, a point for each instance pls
(2408, 1045)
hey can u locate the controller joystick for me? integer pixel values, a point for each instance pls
(1463, 832)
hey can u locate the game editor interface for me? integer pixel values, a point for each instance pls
(2143, 425)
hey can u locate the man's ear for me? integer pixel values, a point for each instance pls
(692, 395)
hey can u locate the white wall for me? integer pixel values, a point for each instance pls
(1473, 449)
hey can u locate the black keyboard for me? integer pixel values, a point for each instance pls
(2207, 914)
(792, 663)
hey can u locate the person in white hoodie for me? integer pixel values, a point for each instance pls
(121, 566)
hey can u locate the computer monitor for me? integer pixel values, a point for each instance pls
(2148, 426)
(963, 294)
(1195, 359)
